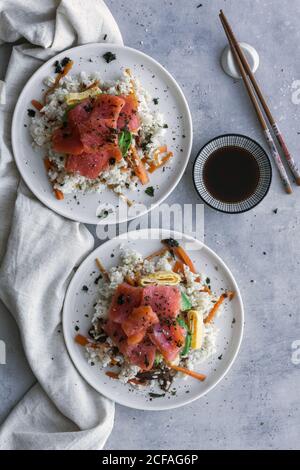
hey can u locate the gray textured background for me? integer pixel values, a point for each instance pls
(257, 405)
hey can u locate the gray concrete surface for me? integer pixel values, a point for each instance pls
(257, 405)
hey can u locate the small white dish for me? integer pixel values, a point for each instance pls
(178, 138)
(78, 312)
(228, 62)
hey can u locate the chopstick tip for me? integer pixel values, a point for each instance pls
(288, 190)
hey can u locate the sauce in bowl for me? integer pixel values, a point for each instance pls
(231, 174)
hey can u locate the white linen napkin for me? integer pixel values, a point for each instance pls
(39, 248)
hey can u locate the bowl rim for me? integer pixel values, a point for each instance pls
(267, 160)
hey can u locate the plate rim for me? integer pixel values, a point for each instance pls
(62, 212)
(238, 296)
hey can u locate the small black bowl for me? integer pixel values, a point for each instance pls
(262, 159)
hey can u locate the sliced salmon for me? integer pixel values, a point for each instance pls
(100, 129)
(91, 133)
(125, 299)
(136, 338)
(129, 118)
(91, 164)
(137, 323)
(169, 339)
(117, 335)
(67, 140)
(164, 300)
(142, 355)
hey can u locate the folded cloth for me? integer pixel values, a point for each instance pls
(39, 248)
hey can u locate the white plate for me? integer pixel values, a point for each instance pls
(79, 303)
(172, 104)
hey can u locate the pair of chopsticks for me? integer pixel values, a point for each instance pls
(251, 85)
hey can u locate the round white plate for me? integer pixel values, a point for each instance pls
(171, 103)
(78, 312)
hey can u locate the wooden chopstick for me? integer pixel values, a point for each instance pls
(267, 133)
(289, 158)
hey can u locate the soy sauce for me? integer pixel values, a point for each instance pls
(231, 174)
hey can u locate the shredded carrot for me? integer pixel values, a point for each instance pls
(196, 375)
(64, 72)
(178, 267)
(160, 252)
(184, 257)
(205, 289)
(230, 295)
(130, 280)
(37, 104)
(219, 302)
(138, 166)
(125, 198)
(66, 69)
(162, 149)
(135, 381)
(114, 375)
(82, 340)
(47, 164)
(164, 160)
(101, 268)
(59, 194)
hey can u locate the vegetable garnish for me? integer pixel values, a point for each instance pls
(84, 341)
(114, 375)
(109, 57)
(164, 160)
(150, 191)
(47, 164)
(101, 268)
(59, 194)
(137, 165)
(60, 75)
(180, 253)
(178, 267)
(65, 116)
(196, 375)
(187, 344)
(158, 359)
(160, 252)
(185, 303)
(37, 104)
(219, 302)
(125, 139)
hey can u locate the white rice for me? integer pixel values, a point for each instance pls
(42, 126)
